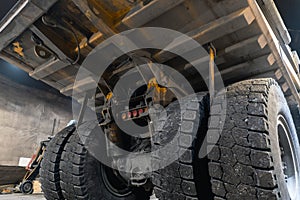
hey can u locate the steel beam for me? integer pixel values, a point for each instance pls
(96, 21)
(211, 31)
(80, 86)
(48, 68)
(149, 12)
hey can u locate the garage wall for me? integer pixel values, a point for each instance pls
(28, 115)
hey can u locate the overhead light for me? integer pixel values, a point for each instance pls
(9, 17)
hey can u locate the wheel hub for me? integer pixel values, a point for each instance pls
(289, 166)
(113, 183)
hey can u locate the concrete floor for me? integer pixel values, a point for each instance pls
(22, 197)
(30, 197)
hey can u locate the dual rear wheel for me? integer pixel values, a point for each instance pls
(254, 156)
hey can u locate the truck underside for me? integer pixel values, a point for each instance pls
(247, 126)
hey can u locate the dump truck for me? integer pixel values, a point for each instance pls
(181, 99)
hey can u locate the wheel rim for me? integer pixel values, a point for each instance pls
(113, 183)
(27, 187)
(289, 160)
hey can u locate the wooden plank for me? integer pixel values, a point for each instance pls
(221, 8)
(211, 31)
(149, 12)
(248, 69)
(48, 68)
(245, 47)
(238, 50)
(79, 86)
(244, 70)
(87, 44)
(285, 88)
(258, 65)
(223, 26)
(209, 10)
(67, 80)
(250, 48)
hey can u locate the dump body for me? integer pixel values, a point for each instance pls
(250, 37)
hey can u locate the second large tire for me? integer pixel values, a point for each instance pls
(49, 172)
(86, 178)
(258, 139)
(186, 178)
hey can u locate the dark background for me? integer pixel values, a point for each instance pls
(5, 6)
(290, 12)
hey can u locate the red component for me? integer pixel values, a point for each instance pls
(30, 162)
(134, 113)
(129, 115)
(141, 111)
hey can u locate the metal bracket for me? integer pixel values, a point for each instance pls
(212, 55)
(83, 109)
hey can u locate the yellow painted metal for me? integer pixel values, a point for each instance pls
(109, 96)
(212, 63)
(153, 84)
(212, 54)
(18, 49)
(111, 11)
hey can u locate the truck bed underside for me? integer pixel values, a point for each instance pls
(249, 40)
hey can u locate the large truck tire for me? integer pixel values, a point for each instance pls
(187, 177)
(49, 172)
(84, 177)
(257, 154)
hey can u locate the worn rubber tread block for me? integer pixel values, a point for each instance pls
(49, 172)
(180, 179)
(241, 164)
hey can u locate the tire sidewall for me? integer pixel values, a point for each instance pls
(23, 187)
(104, 192)
(92, 170)
(277, 106)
